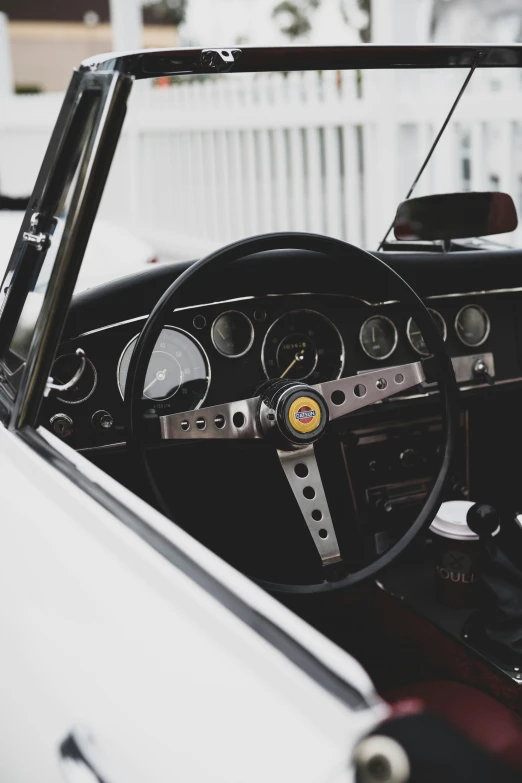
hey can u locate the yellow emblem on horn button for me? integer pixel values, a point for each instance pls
(304, 415)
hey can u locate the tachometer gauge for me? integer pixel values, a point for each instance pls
(472, 325)
(178, 371)
(378, 337)
(414, 333)
(303, 345)
(232, 334)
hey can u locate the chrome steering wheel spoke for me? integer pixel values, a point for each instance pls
(358, 391)
(229, 421)
(302, 472)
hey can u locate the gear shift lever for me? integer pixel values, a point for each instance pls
(483, 520)
(496, 628)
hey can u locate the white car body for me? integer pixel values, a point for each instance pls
(113, 251)
(106, 634)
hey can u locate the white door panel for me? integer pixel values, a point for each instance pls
(99, 629)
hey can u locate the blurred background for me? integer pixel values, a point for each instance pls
(203, 161)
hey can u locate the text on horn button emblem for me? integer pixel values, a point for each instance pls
(304, 415)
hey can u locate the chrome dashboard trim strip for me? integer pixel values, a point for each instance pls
(503, 382)
(476, 293)
(304, 293)
(103, 447)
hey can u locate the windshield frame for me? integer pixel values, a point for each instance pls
(152, 63)
(83, 143)
(112, 75)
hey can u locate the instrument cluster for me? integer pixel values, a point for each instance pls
(224, 351)
(379, 336)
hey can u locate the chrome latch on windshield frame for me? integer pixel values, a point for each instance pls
(40, 240)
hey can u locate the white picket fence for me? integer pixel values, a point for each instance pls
(205, 162)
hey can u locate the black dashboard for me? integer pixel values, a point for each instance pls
(293, 314)
(224, 351)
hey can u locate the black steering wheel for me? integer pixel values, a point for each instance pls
(293, 415)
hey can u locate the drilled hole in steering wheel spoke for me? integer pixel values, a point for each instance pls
(338, 397)
(238, 419)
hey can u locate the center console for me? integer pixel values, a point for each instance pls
(391, 468)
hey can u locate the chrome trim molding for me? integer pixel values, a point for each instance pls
(302, 293)
(517, 290)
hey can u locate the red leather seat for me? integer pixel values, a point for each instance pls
(484, 720)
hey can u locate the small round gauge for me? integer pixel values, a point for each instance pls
(472, 325)
(178, 371)
(232, 334)
(64, 368)
(414, 333)
(303, 345)
(378, 337)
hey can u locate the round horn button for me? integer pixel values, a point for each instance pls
(304, 415)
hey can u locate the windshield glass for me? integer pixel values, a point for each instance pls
(207, 160)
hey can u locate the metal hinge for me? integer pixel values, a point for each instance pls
(40, 240)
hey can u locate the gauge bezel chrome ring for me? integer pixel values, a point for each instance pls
(252, 335)
(95, 384)
(181, 331)
(488, 325)
(313, 312)
(396, 341)
(444, 331)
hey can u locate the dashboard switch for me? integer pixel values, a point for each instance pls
(102, 420)
(62, 425)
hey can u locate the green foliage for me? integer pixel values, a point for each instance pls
(299, 22)
(297, 11)
(27, 89)
(366, 32)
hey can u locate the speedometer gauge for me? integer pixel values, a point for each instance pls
(303, 345)
(178, 372)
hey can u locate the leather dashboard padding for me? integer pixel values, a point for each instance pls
(288, 271)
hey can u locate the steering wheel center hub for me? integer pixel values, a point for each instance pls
(304, 415)
(292, 413)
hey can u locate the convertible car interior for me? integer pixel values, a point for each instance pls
(378, 464)
(303, 408)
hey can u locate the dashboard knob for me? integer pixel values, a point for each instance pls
(102, 420)
(480, 370)
(409, 458)
(62, 425)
